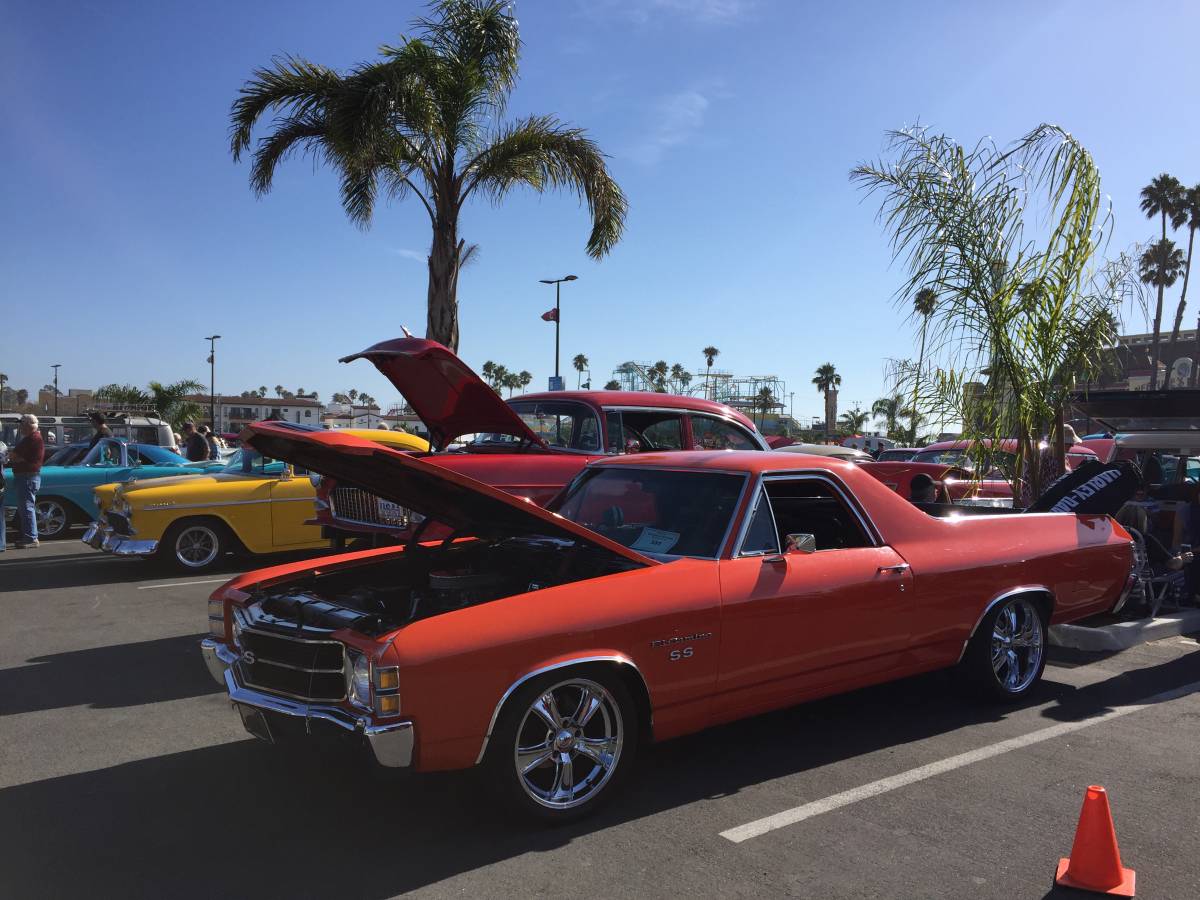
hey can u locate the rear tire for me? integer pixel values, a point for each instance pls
(1007, 654)
(54, 518)
(195, 545)
(562, 745)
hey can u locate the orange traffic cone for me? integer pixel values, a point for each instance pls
(1095, 861)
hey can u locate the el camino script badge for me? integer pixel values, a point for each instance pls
(667, 642)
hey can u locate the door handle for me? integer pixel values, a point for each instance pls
(899, 569)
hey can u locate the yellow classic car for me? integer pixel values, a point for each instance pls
(254, 505)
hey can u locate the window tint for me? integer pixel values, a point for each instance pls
(813, 506)
(652, 430)
(709, 433)
(761, 536)
(561, 423)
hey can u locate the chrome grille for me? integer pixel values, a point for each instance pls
(299, 668)
(354, 505)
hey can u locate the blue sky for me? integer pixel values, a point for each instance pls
(128, 233)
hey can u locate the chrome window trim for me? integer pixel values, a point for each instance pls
(750, 512)
(168, 505)
(580, 661)
(1012, 592)
(874, 538)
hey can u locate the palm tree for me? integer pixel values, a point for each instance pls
(524, 379)
(854, 420)
(126, 395)
(710, 354)
(352, 394)
(22, 397)
(279, 390)
(580, 362)
(764, 400)
(1160, 265)
(612, 385)
(1189, 206)
(924, 305)
(889, 409)
(423, 120)
(1162, 197)
(826, 379)
(262, 390)
(171, 404)
(488, 371)
(658, 376)
(511, 381)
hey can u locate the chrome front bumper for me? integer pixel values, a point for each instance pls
(102, 538)
(391, 743)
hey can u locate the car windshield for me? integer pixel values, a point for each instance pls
(895, 456)
(67, 456)
(566, 424)
(251, 462)
(152, 454)
(659, 512)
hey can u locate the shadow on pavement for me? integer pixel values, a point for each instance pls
(107, 677)
(34, 570)
(253, 820)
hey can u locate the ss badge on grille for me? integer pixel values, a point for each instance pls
(249, 658)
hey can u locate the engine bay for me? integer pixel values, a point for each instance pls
(422, 581)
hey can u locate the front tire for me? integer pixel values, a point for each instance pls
(195, 545)
(562, 745)
(1007, 655)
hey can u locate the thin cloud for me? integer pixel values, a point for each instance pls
(408, 254)
(707, 12)
(677, 118)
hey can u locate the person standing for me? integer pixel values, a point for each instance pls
(195, 447)
(26, 459)
(100, 429)
(214, 451)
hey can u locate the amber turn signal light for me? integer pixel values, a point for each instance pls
(388, 704)
(387, 679)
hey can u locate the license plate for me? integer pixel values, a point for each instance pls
(390, 510)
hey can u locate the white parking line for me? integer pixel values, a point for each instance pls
(799, 813)
(150, 587)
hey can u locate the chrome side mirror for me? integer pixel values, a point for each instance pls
(286, 474)
(800, 543)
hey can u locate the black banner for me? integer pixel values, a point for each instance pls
(1094, 487)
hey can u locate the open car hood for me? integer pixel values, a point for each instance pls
(450, 398)
(469, 507)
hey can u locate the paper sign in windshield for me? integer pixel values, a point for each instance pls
(655, 540)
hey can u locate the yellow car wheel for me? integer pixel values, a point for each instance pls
(195, 545)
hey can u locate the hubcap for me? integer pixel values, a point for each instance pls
(196, 546)
(562, 761)
(51, 518)
(1018, 641)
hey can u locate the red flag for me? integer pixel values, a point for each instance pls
(550, 316)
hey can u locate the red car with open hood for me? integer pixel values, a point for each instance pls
(530, 445)
(663, 593)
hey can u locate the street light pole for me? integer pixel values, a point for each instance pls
(212, 379)
(55, 368)
(557, 282)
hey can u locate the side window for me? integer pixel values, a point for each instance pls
(761, 535)
(664, 435)
(714, 434)
(813, 506)
(586, 436)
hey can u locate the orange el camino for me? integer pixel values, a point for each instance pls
(658, 595)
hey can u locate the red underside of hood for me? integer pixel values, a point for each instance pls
(443, 390)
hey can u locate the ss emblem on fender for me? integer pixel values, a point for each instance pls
(685, 653)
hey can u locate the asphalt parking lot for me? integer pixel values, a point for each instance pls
(124, 773)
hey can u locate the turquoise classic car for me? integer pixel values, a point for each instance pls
(66, 499)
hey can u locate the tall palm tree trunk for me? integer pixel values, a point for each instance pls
(917, 382)
(1187, 271)
(1157, 322)
(442, 297)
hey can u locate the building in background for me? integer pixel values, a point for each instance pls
(1129, 363)
(235, 413)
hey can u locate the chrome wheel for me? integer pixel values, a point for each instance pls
(52, 518)
(564, 759)
(1018, 642)
(197, 546)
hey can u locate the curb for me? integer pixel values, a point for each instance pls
(1123, 635)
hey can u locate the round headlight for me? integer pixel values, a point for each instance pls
(360, 681)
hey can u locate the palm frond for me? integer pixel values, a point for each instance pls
(289, 83)
(539, 152)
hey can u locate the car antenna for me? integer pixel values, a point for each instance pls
(407, 333)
